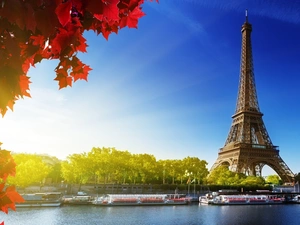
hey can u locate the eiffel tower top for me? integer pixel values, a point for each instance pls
(247, 97)
(247, 126)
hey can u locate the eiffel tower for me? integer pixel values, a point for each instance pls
(248, 147)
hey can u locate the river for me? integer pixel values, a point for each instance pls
(152, 215)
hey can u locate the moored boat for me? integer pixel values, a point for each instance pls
(138, 200)
(205, 200)
(50, 199)
(296, 199)
(78, 200)
(247, 200)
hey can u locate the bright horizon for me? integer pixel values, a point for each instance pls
(168, 88)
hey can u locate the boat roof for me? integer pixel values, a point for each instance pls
(136, 195)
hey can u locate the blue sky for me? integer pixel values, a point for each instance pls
(169, 88)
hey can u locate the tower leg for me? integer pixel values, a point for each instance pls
(258, 169)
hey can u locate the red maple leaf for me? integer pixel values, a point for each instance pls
(1, 188)
(63, 12)
(81, 74)
(79, 70)
(29, 16)
(81, 43)
(95, 6)
(13, 195)
(111, 10)
(13, 11)
(8, 198)
(7, 165)
(63, 79)
(38, 40)
(27, 63)
(61, 41)
(133, 4)
(10, 104)
(133, 17)
(46, 19)
(24, 85)
(99, 16)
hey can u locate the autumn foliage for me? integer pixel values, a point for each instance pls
(8, 195)
(33, 30)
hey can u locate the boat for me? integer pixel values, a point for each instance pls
(205, 200)
(50, 199)
(192, 198)
(78, 200)
(296, 199)
(138, 200)
(247, 200)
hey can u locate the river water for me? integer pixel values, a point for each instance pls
(151, 215)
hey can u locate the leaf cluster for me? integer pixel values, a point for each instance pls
(33, 30)
(8, 194)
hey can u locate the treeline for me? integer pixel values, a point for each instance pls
(112, 166)
(107, 165)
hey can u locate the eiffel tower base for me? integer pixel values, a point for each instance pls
(250, 159)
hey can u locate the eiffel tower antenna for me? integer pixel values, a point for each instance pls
(246, 14)
(248, 147)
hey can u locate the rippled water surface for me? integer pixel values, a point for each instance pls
(146, 215)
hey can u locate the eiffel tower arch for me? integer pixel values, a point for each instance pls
(248, 147)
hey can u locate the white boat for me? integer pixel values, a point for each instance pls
(205, 200)
(296, 199)
(51, 199)
(247, 200)
(138, 200)
(78, 200)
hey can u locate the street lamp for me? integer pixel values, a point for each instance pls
(189, 180)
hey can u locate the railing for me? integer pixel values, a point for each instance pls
(258, 146)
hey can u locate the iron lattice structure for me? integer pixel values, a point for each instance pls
(248, 147)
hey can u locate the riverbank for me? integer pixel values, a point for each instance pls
(90, 189)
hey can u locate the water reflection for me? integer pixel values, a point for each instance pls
(153, 215)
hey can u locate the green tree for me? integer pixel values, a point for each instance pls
(55, 164)
(30, 169)
(121, 165)
(133, 172)
(102, 164)
(161, 171)
(77, 169)
(147, 167)
(221, 176)
(175, 170)
(195, 169)
(253, 180)
(67, 172)
(180, 171)
(55, 173)
(273, 179)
